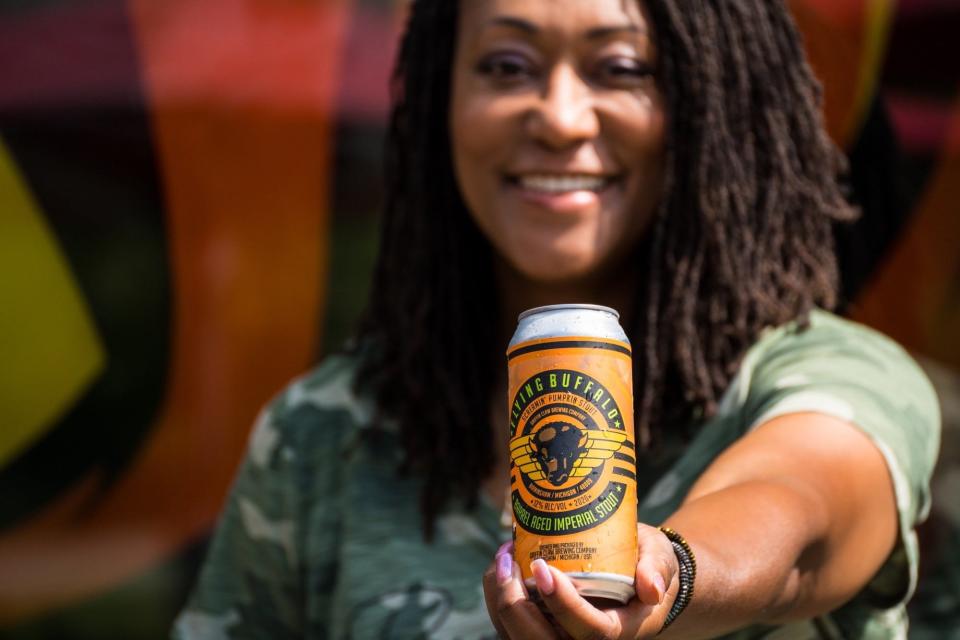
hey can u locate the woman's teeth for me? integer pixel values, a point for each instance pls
(562, 184)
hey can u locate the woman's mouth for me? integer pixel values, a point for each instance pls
(560, 183)
(555, 184)
(562, 193)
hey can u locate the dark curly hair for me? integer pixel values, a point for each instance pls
(742, 239)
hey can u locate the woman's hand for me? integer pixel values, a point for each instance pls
(563, 613)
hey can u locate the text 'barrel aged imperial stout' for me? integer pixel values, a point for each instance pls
(572, 461)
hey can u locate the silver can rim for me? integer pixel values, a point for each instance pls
(590, 584)
(558, 307)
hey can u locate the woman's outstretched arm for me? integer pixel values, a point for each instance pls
(788, 523)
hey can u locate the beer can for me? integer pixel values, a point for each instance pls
(573, 483)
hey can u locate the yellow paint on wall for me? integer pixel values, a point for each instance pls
(49, 348)
(879, 18)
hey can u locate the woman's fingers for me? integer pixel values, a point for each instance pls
(580, 618)
(490, 593)
(656, 566)
(508, 604)
(568, 614)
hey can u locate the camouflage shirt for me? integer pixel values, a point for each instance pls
(321, 539)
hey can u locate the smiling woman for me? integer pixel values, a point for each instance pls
(558, 134)
(664, 158)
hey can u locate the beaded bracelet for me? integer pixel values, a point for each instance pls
(688, 573)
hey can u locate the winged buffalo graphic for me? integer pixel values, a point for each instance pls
(560, 451)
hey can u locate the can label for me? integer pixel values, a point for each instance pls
(572, 455)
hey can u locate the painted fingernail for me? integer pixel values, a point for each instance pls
(541, 573)
(504, 568)
(505, 547)
(659, 585)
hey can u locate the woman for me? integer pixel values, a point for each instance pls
(663, 158)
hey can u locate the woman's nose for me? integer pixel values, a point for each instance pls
(565, 112)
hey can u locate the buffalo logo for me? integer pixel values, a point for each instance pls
(560, 451)
(556, 448)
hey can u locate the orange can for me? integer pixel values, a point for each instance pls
(572, 459)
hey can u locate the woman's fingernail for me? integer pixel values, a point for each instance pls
(659, 585)
(504, 568)
(541, 573)
(506, 546)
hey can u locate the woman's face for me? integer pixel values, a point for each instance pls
(557, 131)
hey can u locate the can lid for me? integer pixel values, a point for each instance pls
(557, 307)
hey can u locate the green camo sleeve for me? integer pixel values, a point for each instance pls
(254, 581)
(848, 371)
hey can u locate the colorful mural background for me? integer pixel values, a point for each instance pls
(188, 196)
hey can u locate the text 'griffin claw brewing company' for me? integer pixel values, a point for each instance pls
(572, 462)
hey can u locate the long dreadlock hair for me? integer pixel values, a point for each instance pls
(742, 239)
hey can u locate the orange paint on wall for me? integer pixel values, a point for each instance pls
(246, 186)
(845, 41)
(834, 54)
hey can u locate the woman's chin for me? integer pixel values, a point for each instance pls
(555, 270)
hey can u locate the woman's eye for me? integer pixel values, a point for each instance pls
(505, 67)
(625, 71)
